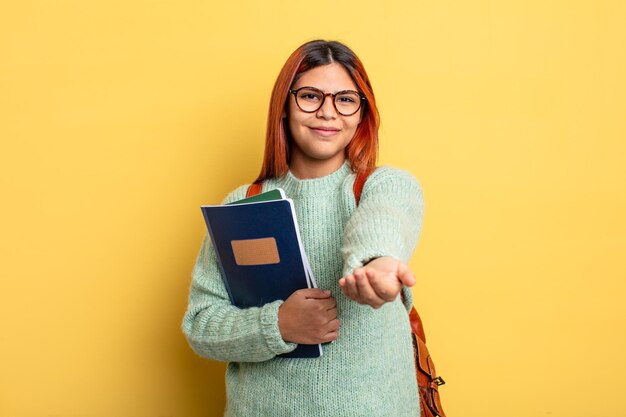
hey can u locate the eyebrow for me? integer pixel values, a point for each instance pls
(326, 92)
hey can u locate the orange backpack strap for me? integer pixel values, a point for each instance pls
(416, 325)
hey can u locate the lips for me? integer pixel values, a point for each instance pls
(325, 130)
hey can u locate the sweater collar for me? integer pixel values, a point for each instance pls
(295, 186)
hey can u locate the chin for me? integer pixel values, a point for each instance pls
(321, 155)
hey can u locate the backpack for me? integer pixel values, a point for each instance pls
(427, 380)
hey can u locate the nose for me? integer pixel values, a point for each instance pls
(327, 109)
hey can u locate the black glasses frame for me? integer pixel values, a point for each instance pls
(295, 96)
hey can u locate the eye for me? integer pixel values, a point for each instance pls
(309, 95)
(346, 99)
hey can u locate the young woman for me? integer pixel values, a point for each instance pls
(322, 130)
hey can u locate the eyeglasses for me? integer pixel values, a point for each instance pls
(311, 99)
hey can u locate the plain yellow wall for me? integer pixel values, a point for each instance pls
(118, 119)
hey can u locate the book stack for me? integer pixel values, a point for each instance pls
(260, 253)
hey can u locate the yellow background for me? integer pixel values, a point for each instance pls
(120, 118)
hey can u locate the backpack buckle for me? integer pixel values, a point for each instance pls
(439, 381)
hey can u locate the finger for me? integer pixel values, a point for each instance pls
(366, 292)
(333, 325)
(385, 285)
(405, 275)
(322, 306)
(358, 271)
(343, 282)
(329, 337)
(331, 314)
(328, 303)
(349, 289)
(316, 293)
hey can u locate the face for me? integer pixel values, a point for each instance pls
(320, 138)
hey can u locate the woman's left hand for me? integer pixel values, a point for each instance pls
(378, 282)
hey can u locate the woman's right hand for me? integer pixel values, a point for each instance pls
(309, 316)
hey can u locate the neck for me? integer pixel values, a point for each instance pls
(314, 168)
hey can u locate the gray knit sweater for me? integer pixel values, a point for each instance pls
(368, 370)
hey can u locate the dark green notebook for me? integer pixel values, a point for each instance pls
(277, 194)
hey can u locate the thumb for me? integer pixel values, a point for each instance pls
(405, 275)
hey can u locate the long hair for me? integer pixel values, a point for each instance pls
(363, 148)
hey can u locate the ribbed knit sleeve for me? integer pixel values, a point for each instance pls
(218, 330)
(387, 221)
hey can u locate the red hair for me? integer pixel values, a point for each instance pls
(363, 148)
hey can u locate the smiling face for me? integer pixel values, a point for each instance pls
(320, 138)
